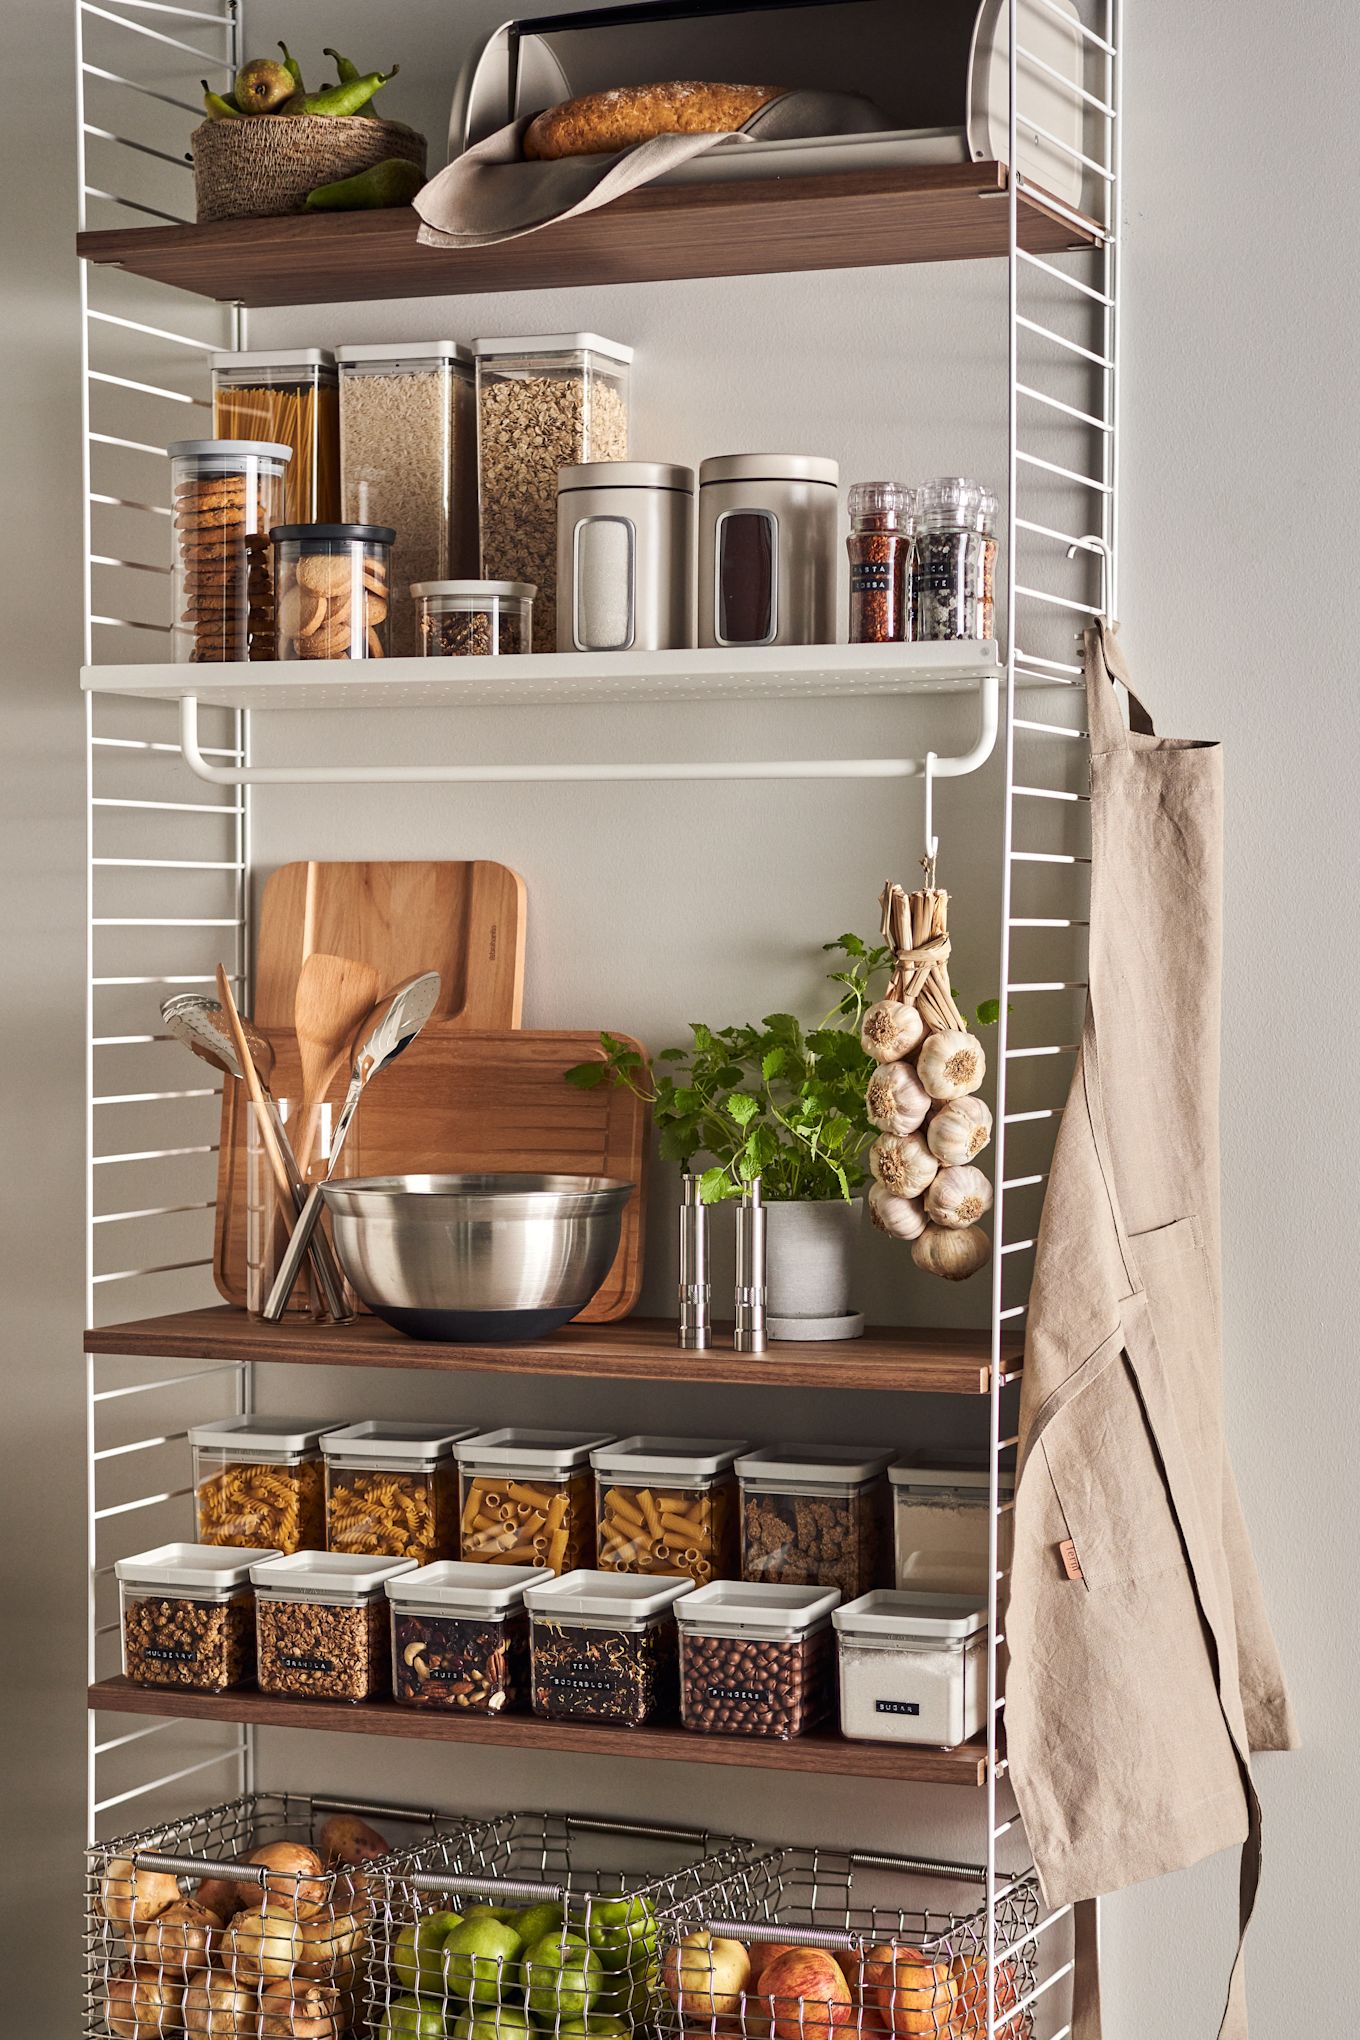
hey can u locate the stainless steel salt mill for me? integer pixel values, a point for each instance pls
(748, 1335)
(696, 1291)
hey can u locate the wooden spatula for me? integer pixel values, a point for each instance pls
(334, 994)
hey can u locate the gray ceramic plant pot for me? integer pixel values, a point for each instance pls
(810, 1269)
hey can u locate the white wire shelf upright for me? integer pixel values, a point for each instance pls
(170, 857)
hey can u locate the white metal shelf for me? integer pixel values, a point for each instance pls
(564, 679)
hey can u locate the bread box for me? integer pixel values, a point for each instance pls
(937, 73)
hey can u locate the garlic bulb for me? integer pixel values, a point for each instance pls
(959, 1197)
(951, 1064)
(954, 1253)
(958, 1130)
(903, 1164)
(900, 1217)
(896, 1101)
(890, 1031)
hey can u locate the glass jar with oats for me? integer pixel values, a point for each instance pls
(259, 1480)
(543, 403)
(392, 1489)
(289, 395)
(527, 1497)
(408, 458)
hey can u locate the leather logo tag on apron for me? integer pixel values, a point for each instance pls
(1067, 1552)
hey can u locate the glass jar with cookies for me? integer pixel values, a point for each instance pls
(332, 590)
(226, 495)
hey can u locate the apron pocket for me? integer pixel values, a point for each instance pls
(1108, 1479)
(1173, 1270)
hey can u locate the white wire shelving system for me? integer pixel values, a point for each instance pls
(170, 855)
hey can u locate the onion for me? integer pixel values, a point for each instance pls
(262, 1944)
(179, 1940)
(127, 1894)
(221, 2010)
(332, 1945)
(225, 1895)
(139, 2004)
(304, 2012)
(296, 1879)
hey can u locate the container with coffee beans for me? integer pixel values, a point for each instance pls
(757, 1660)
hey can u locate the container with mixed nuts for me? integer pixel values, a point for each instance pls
(757, 1659)
(603, 1647)
(460, 1637)
(189, 1616)
(815, 1515)
(392, 1490)
(321, 1625)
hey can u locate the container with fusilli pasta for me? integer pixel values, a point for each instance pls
(259, 1480)
(392, 1489)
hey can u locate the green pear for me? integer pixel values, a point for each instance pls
(262, 86)
(481, 1961)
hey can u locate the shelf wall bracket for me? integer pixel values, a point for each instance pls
(956, 767)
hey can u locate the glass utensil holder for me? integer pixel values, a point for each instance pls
(270, 1213)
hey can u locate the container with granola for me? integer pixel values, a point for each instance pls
(189, 1616)
(321, 1625)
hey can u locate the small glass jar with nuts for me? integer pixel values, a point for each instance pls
(189, 1616)
(321, 1625)
(332, 590)
(392, 1490)
(757, 1659)
(460, 1637)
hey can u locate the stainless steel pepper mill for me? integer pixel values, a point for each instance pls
(696, 1291)
(748, 1334)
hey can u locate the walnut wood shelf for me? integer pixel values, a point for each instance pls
(639, 1349)
(849, 220)
(830, 1754)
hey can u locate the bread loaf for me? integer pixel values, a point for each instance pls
(601, 123)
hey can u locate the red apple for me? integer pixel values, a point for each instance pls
(968, 2020)
(914, 1994)
(763, 1954)
(807, 1994)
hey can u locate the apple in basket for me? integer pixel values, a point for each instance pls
(705, 1976)
(968, 2021)
(807, 1995)
(914, 1995)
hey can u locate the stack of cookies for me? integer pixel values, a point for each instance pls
(225, 500)
(333, 594)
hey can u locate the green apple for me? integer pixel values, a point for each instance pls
(503, 2023)
(417, 1954)
(537, 1921)
(564, 1976)
(411, 2018)
(505, 1913)
(481, 1961)
(594, 2028)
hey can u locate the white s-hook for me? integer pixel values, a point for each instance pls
(932, 841)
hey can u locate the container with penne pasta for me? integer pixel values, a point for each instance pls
(392, 1489)
(527, 1498)
(667, 1505)
(259, 1481)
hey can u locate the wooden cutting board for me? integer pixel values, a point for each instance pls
(460, 1102)
(465, 920)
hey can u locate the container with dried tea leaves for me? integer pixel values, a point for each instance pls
(603, 1647)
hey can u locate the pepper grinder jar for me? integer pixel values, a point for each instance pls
(882, 515)
(767, 549)
(954, 560)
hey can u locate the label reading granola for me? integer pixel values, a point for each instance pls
(299, 1663)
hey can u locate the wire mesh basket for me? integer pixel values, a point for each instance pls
(182, 1934)
(835, 1947)
(528, 1926)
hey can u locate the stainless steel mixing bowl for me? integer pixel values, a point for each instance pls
(477, 1258)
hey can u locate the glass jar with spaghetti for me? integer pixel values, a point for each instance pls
(526, 1497)
(392, 1489)
(667, 1505)
(258, 1480)
(290, 394)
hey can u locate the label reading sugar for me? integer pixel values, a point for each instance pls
(897, 1707)
(753, 1696)
(305, 1664)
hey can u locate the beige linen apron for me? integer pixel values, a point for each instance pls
(1143, 1669)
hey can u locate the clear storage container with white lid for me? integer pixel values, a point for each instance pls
(188, 1614)
(756, 1659)
(321, 1624)
(258, 1480)
(602, 1647)
(474, 619)
(408, 458)
(814, 1515)
(289, 395)
(525, 1496)
(392, 1489)
(545, 402)
(667, 1505)
(460, 1636)
(913, 1667)
(226, 497)
(940, 1519)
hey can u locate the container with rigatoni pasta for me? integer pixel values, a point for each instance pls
(259, 1480)
(392, 1489)
(667, 1505)
(527, 1497)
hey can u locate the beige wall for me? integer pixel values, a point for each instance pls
(1240, 444)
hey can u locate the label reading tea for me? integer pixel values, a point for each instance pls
(897, 1707)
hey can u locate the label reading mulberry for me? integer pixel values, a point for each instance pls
(165, 1656)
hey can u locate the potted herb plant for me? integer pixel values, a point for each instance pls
(783, 1103)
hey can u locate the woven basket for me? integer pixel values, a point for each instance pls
(245, 169)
